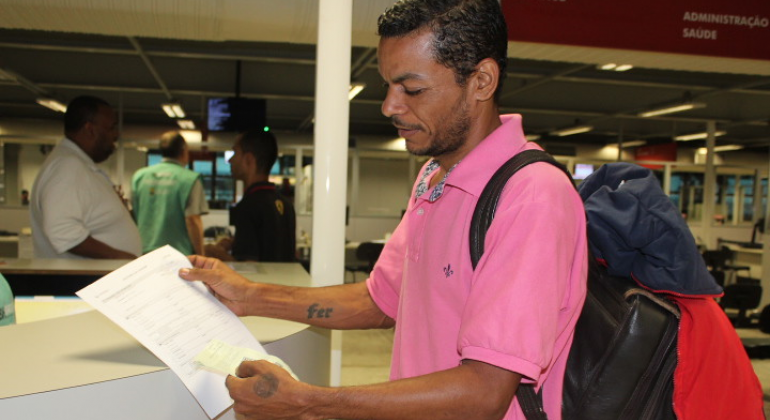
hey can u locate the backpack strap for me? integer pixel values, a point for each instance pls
(531, 402)
(487, 204)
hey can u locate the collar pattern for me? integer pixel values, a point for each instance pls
(422, 186)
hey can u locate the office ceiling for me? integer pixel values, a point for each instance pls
(140, 55)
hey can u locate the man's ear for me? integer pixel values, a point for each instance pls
(486, 79)
(88, 127)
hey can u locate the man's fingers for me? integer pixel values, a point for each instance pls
(209, 277)
(230, 381)
(249, 368)
(199, 261)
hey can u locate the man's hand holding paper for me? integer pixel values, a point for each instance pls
(174, 319)
(230, 288)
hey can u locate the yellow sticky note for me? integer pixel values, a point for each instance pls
(224, 358)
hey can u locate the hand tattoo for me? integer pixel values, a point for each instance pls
(266, 385)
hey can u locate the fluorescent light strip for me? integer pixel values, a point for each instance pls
(672, 109)
(725, 148)
(615, 67)
(168, 110)
(178, 110)
(355, 89)
(572, 130)
(634, 143)
(186, 124)
(173, 110)
(698, 136)
(52, 104)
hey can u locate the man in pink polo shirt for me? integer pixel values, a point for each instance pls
(464, 339)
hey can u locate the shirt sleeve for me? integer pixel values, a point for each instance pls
(64, 205)
(384, 282)
(196, 202)
(523, 285)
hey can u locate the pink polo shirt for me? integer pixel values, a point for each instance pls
(518, 309)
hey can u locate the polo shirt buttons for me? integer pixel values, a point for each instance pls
(420, 211)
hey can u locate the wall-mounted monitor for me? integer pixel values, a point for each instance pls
(236, 114)
(582, 170)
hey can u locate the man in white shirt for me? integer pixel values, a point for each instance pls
(75, 210)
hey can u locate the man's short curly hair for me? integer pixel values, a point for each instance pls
(465, 32)
(263, 146)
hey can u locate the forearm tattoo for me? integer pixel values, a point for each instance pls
(314, 311)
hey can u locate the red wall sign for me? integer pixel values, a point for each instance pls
(720, 28)
(665, 152)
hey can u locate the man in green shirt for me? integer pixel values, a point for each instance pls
(7, 306)
(168, 200)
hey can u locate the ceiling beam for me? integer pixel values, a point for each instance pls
(158, 53)
(543, 80)
(370, 64)
(19, 80)
(159, 80)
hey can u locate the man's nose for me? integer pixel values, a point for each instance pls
(392, 105)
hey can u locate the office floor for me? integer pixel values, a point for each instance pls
(366, 358)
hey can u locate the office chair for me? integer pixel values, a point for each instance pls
(368, 253)
(744, 295)
(722, 260)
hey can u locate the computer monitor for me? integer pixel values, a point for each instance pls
(236, 114)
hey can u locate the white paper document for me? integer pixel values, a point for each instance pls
(175, 319)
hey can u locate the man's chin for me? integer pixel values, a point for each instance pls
(414, 151)
(417, 151)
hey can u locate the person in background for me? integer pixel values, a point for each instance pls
(7, 304)
(264, 220)
(24, 197)
(75, 210)
(465, 339)
(287, 190)
(168, 200)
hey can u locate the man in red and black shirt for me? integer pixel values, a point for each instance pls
(264, 220)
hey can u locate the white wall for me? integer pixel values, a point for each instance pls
(384, 187)
(741, 233)
(14, 218)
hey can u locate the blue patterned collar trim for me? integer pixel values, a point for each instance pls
(422, 186)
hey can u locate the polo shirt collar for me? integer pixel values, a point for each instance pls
(170, 160)
(474, 171)
(73, 148)
(259, 186)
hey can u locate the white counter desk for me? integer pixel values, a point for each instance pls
(83, 366)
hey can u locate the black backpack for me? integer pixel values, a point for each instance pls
(623, 356)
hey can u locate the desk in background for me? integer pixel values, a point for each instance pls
(57, 277)
(750, 257)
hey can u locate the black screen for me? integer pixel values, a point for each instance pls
(236, 114)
